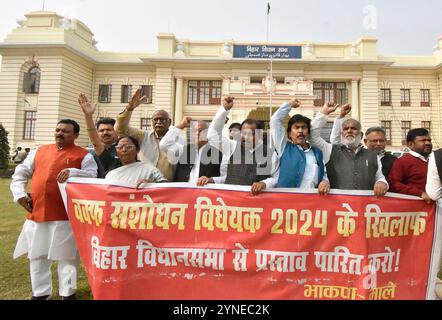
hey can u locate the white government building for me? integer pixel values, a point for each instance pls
(48, 59)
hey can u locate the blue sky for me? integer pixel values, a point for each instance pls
(402, 27)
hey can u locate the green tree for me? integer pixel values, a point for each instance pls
(4, 147)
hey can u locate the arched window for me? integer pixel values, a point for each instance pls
(31, 80)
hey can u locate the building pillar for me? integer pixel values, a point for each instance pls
(164, 88)
(436, 105)
(369, 100)
(355, 99)
(179, 101)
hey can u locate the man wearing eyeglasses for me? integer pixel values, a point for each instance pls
(149, 140)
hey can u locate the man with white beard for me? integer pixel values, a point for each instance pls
(349, 165)
(374, 140)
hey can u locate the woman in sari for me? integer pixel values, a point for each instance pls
(132, 170)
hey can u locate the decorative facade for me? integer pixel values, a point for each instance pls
(48, 60)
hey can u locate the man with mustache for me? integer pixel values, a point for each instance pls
(409, 173)
(251, 162)
(149, 140)
(103, 138)
(375, 140)
(197, 159)
(300, 165)
(349, 165)
(46, 235)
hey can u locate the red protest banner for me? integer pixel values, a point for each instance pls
(174, 241)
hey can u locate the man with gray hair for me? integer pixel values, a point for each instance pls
(349, 165)
(149, 140)
(375, 140)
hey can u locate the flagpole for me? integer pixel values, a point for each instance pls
(44, 5)
(271, 88)
(268, 24)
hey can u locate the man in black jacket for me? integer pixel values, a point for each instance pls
(375, 141)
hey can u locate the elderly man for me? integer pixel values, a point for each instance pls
(197, 159)
(349, 165)
(149, 140)
(250, 161)
(409, 173)
(300, 165)
(46, 235)
(374, 140)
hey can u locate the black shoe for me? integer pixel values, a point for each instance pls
(71, 297)
(40, 297)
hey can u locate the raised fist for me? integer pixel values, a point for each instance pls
(295, 103)
(185, 123)
(228, 103)
(329, 107)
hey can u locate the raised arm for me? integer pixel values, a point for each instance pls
(335, 136)
(122, 121)
(215, 130)
(173, 142)
(315, 134)
(88, 111)
(277, 131)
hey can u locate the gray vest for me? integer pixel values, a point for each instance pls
(245, 167)
(350, 171)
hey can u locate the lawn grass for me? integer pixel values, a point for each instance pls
(15, 282)
(14, 274)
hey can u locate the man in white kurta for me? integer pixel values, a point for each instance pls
(46, 235)
(229, 147)
(434, 191)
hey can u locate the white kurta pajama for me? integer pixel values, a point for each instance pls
(45, 242)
